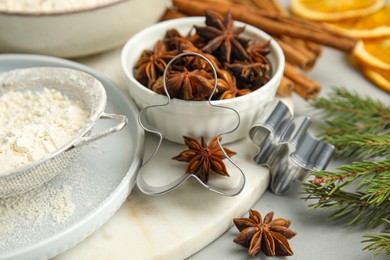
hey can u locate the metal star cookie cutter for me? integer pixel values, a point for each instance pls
(157, 190)
(286, 148)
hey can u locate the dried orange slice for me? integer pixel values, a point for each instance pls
(374, 52)
(379, 77)
(332, 10)
(370, 26)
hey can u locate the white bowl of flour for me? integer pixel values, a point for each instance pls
(46, 115)
(73, 28)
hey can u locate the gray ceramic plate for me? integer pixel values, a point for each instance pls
(100, 179)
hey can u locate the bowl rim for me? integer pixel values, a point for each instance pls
(275, 47)
(64, 12)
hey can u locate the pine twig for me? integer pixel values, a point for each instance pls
(347, 112)
(370, 202)
(360, 145)
(379, 243)
(359, 129)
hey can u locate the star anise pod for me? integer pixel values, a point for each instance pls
(255, 75)
(227, 86)
(222, 37)
(157, 86)
(170, 38)
(195, 62)
(258, 49)
(268, 236)
(152, 63)
(204, 158)
(189, 85)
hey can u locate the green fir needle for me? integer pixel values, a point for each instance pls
(359, 128)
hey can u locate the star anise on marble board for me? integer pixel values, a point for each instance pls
(222, 37)
(203, 159)
(268, 236)
(152, 63)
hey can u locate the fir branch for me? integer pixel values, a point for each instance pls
(379, 243)
(360, 192)
(360, 145)
(354, 206)
(347, 112)
(351, 106)
(373, 175)
(369, 203)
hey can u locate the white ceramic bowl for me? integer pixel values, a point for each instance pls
(198, 118)
(78, 32)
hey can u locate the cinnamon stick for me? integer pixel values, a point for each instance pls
(272, 23)
(308, 48)
(275, 6)
(297, 55)
(285, 88)
(246, 3)
(295, 51)
(270, 5)
(281, 10)
(304, 86)
(314, 47)
(171, 14)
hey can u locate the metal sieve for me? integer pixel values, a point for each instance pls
(74, 84)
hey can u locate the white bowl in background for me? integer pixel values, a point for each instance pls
(198, 118)
(79, 32)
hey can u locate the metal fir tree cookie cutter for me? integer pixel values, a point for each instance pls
(286, 148)
(148, 189)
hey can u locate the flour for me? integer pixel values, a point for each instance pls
(29, 6)
(27, 210)
(35, 124)
(43, 213)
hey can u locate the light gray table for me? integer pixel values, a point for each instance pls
(318, 237)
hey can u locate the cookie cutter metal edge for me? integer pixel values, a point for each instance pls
(157, 190)
(286, 148)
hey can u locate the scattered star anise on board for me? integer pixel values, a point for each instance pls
(222, 37)
(203, 158)
(267, 236)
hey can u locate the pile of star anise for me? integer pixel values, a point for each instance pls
(240, 62)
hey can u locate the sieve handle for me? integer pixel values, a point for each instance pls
(87, 139)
